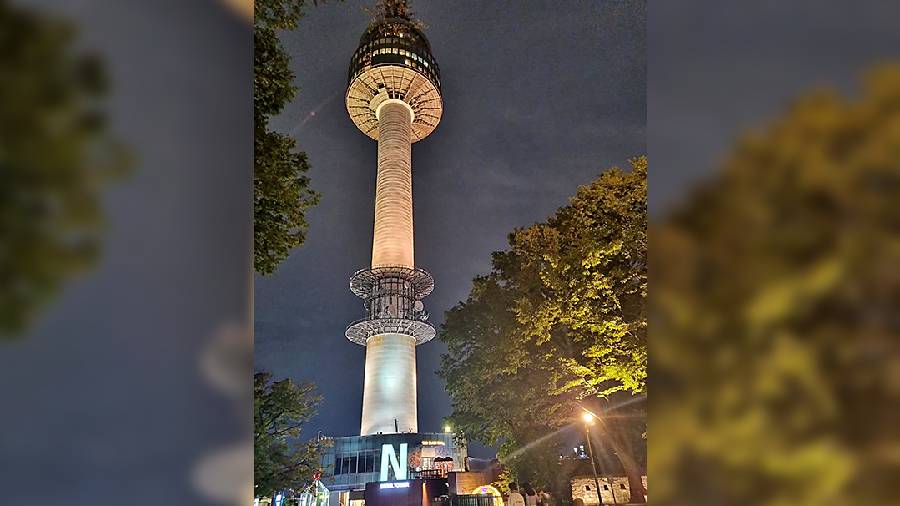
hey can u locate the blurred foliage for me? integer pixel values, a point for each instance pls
(56, 155)
(281, 461)
(559, 322)
(281, 192)
(502, 482)
(776, 296)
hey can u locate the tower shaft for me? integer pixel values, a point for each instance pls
(392, 243)
(389, 392)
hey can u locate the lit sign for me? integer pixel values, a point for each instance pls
(433, 443)
(400, 484)
(389, 457)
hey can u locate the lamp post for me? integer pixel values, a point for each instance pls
(588, 418)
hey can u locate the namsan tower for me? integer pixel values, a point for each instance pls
(394, 97)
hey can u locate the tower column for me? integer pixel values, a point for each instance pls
(392, 244)
(389, 393)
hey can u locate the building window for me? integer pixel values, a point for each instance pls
(622, 486)
(367, 463)
(587, 488)
(605, 487)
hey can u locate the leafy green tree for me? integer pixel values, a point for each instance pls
(775, 299)
(559, 323)
(281, 460)
(281, 191)
(56, 156)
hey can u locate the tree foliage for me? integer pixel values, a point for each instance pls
(776, 292)
(281, 188)
(559, 322)
(56, 156)
(281, 460)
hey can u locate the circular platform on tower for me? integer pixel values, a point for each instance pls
(394, 60)
(361, 330)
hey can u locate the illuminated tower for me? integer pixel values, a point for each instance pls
(394, 97)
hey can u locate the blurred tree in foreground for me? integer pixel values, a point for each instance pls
(281, 461)
(281, 192)
(559, 322)
(56, 155)
(776, 296)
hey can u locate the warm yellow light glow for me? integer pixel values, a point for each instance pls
(489, 490)
(447, 428)
(587, 417)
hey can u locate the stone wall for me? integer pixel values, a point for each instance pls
(583, 487)
(465, 483)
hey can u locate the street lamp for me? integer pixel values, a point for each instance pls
(588, 418)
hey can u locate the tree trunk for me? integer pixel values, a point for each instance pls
(635, 483)
(631, 467)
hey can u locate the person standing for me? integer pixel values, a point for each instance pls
(531, 497)
(546, 500)
(543, 497)
(515, 498)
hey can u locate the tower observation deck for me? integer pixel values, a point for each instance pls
(394, 97)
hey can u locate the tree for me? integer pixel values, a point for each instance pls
(281, 460)
(281, 191)
(558, 323)
(775, 303)
(56, 156)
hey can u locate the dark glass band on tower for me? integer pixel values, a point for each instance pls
(395, 41)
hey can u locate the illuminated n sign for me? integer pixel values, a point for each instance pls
(389, 457)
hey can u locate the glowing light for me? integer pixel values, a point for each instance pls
(489, 490)
(399, 484)
(433, 443)
(389, 458)
(588, 418)
(448, 428)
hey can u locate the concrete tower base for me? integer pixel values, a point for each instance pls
(389, 393)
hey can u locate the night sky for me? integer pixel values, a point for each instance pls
(720, 67)
(537, 100)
